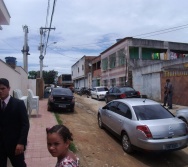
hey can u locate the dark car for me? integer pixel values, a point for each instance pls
(61, 99)
(121, 93)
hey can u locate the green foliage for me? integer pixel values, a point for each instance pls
(32, 74)
(48, 76)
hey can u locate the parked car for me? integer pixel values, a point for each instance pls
(61, 99)
(143, 124)
(99, 92)
(183, 115)
(121, 93)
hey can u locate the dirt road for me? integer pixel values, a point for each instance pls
(98, 148)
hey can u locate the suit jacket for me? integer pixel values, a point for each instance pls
(14, 125)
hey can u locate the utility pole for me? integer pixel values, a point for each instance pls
(41, 57)
(25, 49)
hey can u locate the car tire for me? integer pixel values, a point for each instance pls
(72, 110)
(126, 143)
(91, 96)
(100, 123)
(98, 98)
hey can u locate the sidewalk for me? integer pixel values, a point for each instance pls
(37, 154)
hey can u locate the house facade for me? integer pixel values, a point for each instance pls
(126, 63)
(81, 72)
(96, 71)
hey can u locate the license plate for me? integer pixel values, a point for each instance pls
(62, 105)
(171, 146)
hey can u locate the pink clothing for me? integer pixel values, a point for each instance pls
(67, 162)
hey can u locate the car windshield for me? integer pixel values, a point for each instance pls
(151, 112)
(126, 89)
(62, 92)
(102, 89)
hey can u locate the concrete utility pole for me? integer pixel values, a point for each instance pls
(25, 50)
(41, 57)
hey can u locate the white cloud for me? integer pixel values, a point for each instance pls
(87, 27)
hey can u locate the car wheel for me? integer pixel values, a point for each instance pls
(72, 110)
(91, 96)
(126, 143)
(106, 99)
(98, 98)
(184, 120)
(100, 122)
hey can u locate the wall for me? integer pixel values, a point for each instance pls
(18, 78)
(13, 76)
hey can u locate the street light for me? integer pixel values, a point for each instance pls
(47, 46)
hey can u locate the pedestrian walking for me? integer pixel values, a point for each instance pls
(168, 94)
(14, 127)
(58, 141)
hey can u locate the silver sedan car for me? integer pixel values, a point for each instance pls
(143, 124)
(183, 114)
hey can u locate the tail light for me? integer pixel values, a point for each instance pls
(145, 130)
(122, 96)
(138, 93)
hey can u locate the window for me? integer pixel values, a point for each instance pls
(121, 56)
(78, 69)
(82, 67)
(113, 82)
(122, 81)
(112, 59)
(124, 110)
(106, 83)
(105, 64)
(150, 112)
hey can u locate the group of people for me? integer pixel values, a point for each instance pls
(14, 129)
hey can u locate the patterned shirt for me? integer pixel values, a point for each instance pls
(67, 162)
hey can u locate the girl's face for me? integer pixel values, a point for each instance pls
(56, 145)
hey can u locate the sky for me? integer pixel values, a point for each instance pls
(87, 27)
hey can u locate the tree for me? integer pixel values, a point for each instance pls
(48, 76)
(32, 74)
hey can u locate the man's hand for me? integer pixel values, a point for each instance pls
(19, 149)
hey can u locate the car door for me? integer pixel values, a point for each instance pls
(93, 92)
(121, 116)
(110, 94)
(115, 93)
(110, 109)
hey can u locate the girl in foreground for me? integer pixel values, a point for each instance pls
(58, 141)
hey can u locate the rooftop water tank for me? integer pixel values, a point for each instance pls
(11, 61)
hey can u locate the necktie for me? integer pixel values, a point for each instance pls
(3, 106)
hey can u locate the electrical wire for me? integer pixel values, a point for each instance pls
(50, 25)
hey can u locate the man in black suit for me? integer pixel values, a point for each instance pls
(14, 127)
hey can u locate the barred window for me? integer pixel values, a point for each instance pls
(113, 82)
(121, 57)
(105, 64)
(112, 59)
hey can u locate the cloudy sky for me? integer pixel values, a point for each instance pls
(87, 27)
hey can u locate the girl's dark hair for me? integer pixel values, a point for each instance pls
(62, 130)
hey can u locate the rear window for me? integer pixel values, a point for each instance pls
(126, 89)
(102, 89)
(151, 112)
(62, 92)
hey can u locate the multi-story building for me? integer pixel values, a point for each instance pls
(141, 63)
(81, 72)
